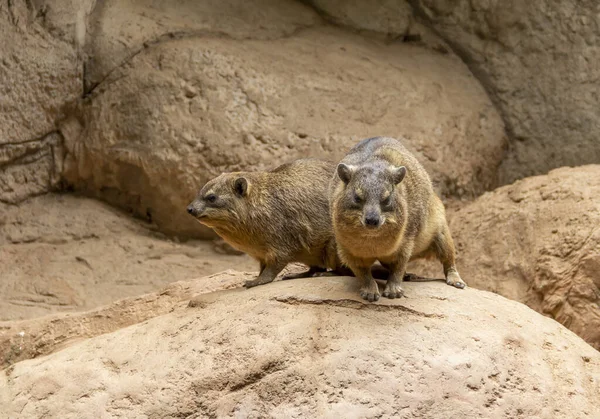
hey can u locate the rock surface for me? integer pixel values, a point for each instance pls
(541, 63)
(118, 30)
(391, 17)
(310, 347)
(537, 241)
(175, 100)
(40, 75)
(31, 338)
(63, 253)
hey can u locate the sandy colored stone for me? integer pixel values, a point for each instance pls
(30, 168)
(174, 96)
(118, 30)
(537, 241)
(40, 75)
(191, 102)
(61, 253)
(391, 17)
(541, 63)
(31, 338)
(310, 347)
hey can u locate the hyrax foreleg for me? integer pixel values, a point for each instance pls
(445, 251)
(361, 268)
(397, 270)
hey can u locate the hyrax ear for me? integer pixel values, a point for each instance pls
(240, 186)
(397, 174)
(345, 172)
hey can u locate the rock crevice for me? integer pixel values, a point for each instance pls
(30, 168)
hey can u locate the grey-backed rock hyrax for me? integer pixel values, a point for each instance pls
(277, 217)
(384, 208)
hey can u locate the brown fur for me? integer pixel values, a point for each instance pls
(410, 224)
(277, 217)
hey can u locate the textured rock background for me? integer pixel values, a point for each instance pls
(59, 253)
(540, 61)
(310, 347)
(148, 69)
(40, 75)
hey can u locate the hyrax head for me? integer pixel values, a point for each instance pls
(220, 199)
(369, 197)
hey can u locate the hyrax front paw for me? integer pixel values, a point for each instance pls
(455, 280)
(393, 290)
(370, 292)
(250, 284)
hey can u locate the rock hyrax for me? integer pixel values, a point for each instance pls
(277, 217)
(384, 208)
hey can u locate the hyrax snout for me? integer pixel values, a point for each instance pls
(384, 209)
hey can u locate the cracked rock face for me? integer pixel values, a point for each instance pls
(390, 17)
(188, 100)
(312, 347)
(541, 60)
(538, 241)
(30, 168)
(39, 75)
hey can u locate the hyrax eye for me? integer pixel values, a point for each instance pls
(357, 199)
(386, 201)
(210, 198)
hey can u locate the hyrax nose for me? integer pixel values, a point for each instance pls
(190, 210)
(372, 220)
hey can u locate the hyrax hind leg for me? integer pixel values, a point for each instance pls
(443, 246)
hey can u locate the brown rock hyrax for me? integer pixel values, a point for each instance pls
(384, 209)
(277, 217)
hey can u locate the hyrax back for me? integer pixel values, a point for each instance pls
(277, 217)
(384, 208)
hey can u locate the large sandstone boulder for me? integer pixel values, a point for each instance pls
(313, 348)
(538, 241)
(40, 75)
(176, 97)
(63, 253)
